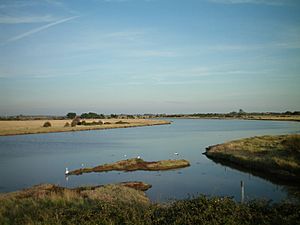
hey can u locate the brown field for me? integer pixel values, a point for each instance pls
(36, 126)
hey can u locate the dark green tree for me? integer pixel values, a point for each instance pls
(71, 115)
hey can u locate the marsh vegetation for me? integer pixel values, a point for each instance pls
(274, 155)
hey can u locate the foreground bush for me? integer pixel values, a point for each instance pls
(200, 210)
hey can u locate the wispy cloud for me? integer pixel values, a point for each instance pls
(33, 31)
(264, 2)
(26, 19)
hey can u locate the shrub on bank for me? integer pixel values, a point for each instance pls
(67, 124)
(75, 121)
(47, 124)
(121, 122)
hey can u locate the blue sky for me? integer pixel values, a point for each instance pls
(149, 56)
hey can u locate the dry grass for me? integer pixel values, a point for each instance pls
(123, 192)
(135, 164)
(36, 126)
(279, 117)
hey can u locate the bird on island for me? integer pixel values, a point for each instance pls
(176, 153)
(125, 156)
(138, 157)
(67, 171)
(82, 164)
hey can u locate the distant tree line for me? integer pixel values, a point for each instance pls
(93, 115)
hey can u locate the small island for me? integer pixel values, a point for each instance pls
(270, 155)
(135, 164)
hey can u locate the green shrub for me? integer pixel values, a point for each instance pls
(47, 124)
(71, 115)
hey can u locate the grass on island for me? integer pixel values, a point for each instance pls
(135, 164)
(14, 127)
(273, 155)
(116, 204)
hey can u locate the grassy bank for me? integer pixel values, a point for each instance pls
(134, 164)
(273, 155)
(36, 126)
(115, 204)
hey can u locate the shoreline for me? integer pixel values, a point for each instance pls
(296, 119)
(15, 127)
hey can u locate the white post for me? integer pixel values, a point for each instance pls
(242, 191)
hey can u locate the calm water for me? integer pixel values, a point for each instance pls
(42, 158)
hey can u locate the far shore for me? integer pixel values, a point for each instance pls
(19, 127)
(293, 118)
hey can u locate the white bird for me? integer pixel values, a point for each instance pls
(138, 157)
(82, 164)
(176, 153)
(125, 156)
(67, 171)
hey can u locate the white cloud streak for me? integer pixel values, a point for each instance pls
(26, 19)
(36, 30)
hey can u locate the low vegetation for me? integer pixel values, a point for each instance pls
(273, 155)
(67, 124)
(47, 124)
(93, 123)
(116, 204)
(134, 164)
(121, 122)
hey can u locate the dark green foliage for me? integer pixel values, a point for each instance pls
(200, 210)
(113, 116)
(71, 115)
(92, 115)
(47, 124)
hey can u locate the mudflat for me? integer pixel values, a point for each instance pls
(16, 127)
